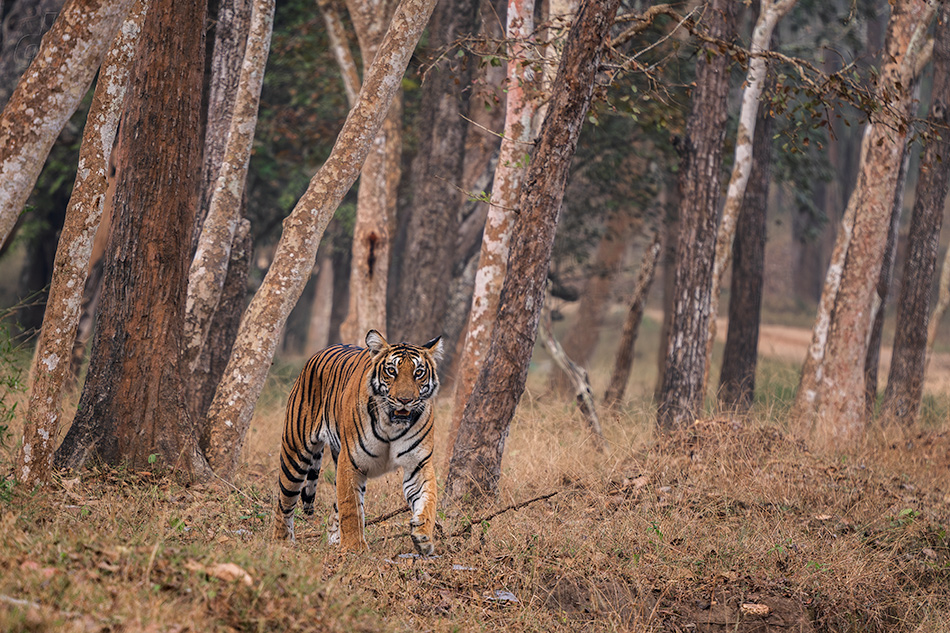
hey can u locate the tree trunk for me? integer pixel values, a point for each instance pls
(209, 268)
(905, 382)
(476, 459)
(770, 12)
(839, 410)
(581, 340)
(51, 371)
(378, 189)
(132, 405)
(318, 329)
(230, 412)
(737, 378)
(682, 393)
(509, 175)
(48, 94)
(231, 27)
(340, 48)
(432, 226)
(631, 325)
(24, 24)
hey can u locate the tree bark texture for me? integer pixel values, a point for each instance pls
(770, 12)
(520, 107)
(737, 378)
(209, 268)
(132, 405)
(623, 362)
(581, 339)
(24, 24)
(259, 332)
(433, 223)
(378, 190)
(48, 94)
(51, 372)
(839, 406)
(340, 48)
(682, 393)
(905, 380)
(476, 458)
(318, 329)
(231, 27)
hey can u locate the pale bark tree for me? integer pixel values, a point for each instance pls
(378, 189)
(509, 175)
(318, 329)
(836, 404)
(231, 26)
(431, 229)
(24, 24)
(48, 94)
(905, 380)
(132, 405)
(230, 413)
(336, 33)
(770, 12)
(740, 356)
(682, 391)
(209, 268)
(476, 459)
(623, 361)
(51, 371)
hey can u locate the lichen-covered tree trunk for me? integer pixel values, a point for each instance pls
(231, 26)
(48, 94)
(336, 33)
(509, 175)
(25, 22)
(682, 391)
(770, 12)
(378, 189)
(51, 371)
(318, 328)
(421, 297)
(476, 458)
(230, 412)
(623, 361)
(839, 411)
(209, 268)
(740, 356)
(132, 405)
(905, 380)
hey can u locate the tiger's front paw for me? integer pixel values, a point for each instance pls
(284, 528)
(421, 537)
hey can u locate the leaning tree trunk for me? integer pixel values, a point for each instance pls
(48, 94)
(770, 12)
(737, 378)
(476, 458)
(681, 396)
(623, 362)
(25, 22)
(378, 189)
(509, 175)
(839, 411)
(51, 371)
(905, 382)
(431, 229)
(132, 405)
(230, 412)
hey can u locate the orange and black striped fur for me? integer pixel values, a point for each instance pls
(372, 407)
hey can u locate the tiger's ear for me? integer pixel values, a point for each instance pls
(435, 348)
(375, 342)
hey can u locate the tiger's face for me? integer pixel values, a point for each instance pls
(404, 376)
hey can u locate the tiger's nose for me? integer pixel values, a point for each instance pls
(404, 400)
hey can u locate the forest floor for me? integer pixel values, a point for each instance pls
(734, 526)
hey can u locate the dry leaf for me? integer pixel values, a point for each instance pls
(223, 571)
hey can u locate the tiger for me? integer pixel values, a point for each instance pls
(373, 406)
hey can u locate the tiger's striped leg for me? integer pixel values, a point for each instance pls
(420, 490)
(294, 467)
(350, 488)
(310, 488)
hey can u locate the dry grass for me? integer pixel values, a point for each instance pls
(659, 534)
